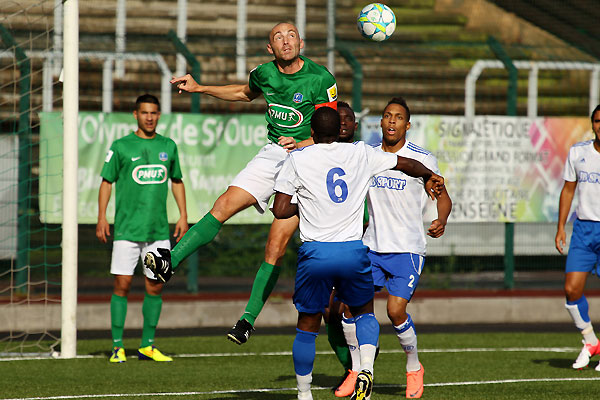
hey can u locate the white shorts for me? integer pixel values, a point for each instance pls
(258, 177)
(125, 255)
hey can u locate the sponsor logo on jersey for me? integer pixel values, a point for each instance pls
(135, 158)
(162, 156)
(298, 97)
(385, 182)
(582, 160)
(152, 174)
(332, 92)
(589, 177)
(108, 156)
(284, 116)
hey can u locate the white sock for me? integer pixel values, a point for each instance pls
(589, 336)
(303, 383)
(367, 357)
(408, 341)
(349, 328)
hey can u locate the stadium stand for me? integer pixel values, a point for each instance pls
(426, 60)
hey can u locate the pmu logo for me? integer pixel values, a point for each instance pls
(153, 174)
(284, 116)
(385, 182)
(589, 177)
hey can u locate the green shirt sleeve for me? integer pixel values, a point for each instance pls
(110, 169)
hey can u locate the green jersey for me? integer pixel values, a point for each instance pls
(141, 169)
(291, 98)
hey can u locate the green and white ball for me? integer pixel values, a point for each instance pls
(376, 22)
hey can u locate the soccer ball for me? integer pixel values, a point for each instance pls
(376, 22)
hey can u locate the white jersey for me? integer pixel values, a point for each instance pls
(583, 166)
(331, 181)
(396, 203)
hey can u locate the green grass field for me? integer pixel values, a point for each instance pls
(457, 366)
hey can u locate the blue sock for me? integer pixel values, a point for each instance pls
(579, 311)
(367, 329)
(303, 351)
(406, 325)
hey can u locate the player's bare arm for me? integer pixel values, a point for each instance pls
(564, 206)
(444, 206)
(102, 227)
(181, 227)
(236, 92)
(283, 207)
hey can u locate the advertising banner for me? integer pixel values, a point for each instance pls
(212, 150)
(497, 169)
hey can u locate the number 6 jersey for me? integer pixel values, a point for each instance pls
(331, 181)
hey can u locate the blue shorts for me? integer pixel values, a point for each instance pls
(324, 265)
(398, 272)
(584, 250)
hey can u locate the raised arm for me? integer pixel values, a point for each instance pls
(564, 206)
(236, 92)
(434, 184)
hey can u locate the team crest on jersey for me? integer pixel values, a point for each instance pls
(152, 174)
(162, 156)
(332, 93)
(298, 97)
(284, 116)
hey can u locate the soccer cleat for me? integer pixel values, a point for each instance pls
(159, 265)
(240, 333)
(118, 355)
(414, 383)
(583, 359)
(363, 386)
(152, 353)
(346, 386)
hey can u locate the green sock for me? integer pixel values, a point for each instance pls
(337, 341)
(151, 312)
(263, 285)
(118, 312)
(203, 232)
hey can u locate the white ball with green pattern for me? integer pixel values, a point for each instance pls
(376, 22)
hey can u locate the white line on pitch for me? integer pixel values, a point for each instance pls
(289, 353)
(216, 392)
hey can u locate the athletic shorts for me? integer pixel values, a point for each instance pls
(398, 272)
(324, 265)
(125, 255)
(584, 250)
(258, 177)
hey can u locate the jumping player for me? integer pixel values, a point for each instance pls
(293, 87)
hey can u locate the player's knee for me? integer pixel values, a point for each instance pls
(397, 316)
(573, 292)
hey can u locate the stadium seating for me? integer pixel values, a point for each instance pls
(426, 60)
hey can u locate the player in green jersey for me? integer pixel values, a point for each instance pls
(140, 165)
(293, 86)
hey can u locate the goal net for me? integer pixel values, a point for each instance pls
(30, 251)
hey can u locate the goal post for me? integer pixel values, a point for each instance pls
(70, 166)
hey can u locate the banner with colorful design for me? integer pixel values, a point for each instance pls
(497, 169)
